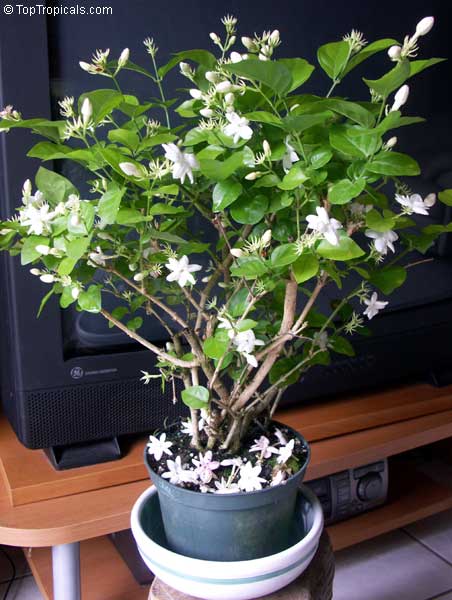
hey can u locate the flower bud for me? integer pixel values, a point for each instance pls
(74, 220)
(130, 169)
(236, 252)
(35, 272)
(262, 56)
(85, 66)
(430, 200)
(27, 188)
(139, 276)
(213, 76)
(123, 57)
(223, 87)
(75, 293)
(232, 41)
(42, 249)
(47, 278)
(250, 44)
(184, 68)
(215, 38)
(400, 97)
(252, 176)
(274, 37)
(424, 26)
(206, 112)
(266, 147)
(86, 111)
(133, 267)
(196, 94)
(391, 142)
(394, 52)
(229, 98)
(236, 57)
(267, 237)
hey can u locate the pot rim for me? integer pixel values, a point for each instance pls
(242, 494)
(263, 565)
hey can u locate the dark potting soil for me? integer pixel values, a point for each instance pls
(181, 447)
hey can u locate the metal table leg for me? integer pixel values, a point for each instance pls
(66, 571)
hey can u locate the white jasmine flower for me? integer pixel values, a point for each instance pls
(227, 324)
(249, 478)
(245, 341)
(184, 163)
(290, 156)
(86, 111)
(278, 479)
(250, 44)
(38, 220)
(157, 447)
(424, 26)
(324, 225)
(98, 257)
(176, 472)
(130, 169)
(229, 98)
(383, 240)
(232, 462)
(415, 203)
(262, 445)
(225, 487)
(285, 452)
(281, 437)
(373, 306)
(238, 127)
(36, 200)
(205, 466)
(181, 271)
(357, 209)
(235, 57)
(400, 98)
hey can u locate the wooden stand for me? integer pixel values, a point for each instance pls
(316, 583)
(40, 507)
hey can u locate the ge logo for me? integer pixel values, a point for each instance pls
(76, 372)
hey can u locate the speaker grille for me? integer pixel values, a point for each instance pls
(95, 411)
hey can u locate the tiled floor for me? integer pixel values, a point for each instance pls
(414, 563)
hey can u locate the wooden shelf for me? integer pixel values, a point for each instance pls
(412, 496)
(105, 576)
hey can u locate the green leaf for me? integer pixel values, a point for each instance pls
(293, 179)
(446, 197)
(134, 323)
(355, 141)
(249, 267)
(110, 202)
(284, 255)
(320, 157)
(161, 208)
(44, 301)
(215, 348)
(66, 298)
(118, 313)
(377, 222)
(196, 396)
(103, 102)
(246, 324)
(394, 120)
(77, 248)
(125, 137)
(393, 163)
(28, 252)
(282, 367)
(417, 66)
(128, 216)
(333, 58)
(196, 136)
(300, 71)
(341, 345)
(91, 299)
(391, 81)
(49, 151)
(238, 303)
(305, 267)
(54, 186)
(219, 170)
(273, 74)
(249, 211)
(300, 123)
(225, 193)
(388, 279)
(66, 266)
(262, 116)
(369, 51)
(347, 249)
(353, 111)
(203, 57)
(345, 190)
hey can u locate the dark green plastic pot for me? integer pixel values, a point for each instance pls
(229, 527)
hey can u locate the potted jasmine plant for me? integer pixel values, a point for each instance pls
(297, 193)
